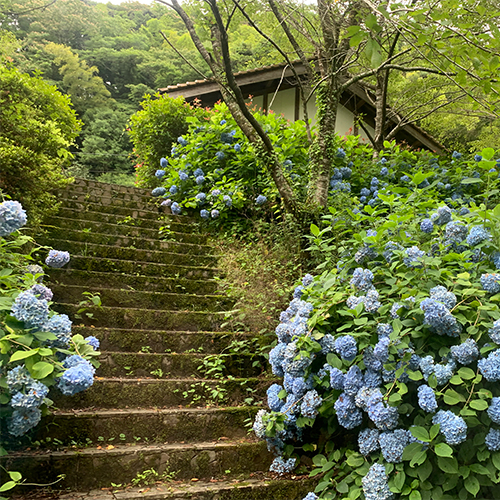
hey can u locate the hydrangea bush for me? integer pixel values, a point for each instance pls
(390, 357)
(215, 171)
(38, 354)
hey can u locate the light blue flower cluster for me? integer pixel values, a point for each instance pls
(439, 318)
(93, 341)
(491, 282)
(159, 174)
(78, 376)
(392, 445)
(346, 347)
(453, 427)
(201, 198)
(492, 440)
(427, 399)
(158, 191)
(12, 217)
(60, 326)
(412, 255)
(41, 292)
(477, 235)
(273, 401)
(311, 496)
(375, 484)
(455, 233)
(175, 208)
(57, 258)
(494, 332)
(24, 420)
(441, 216)
(183, 142)
(362, 279)
(310, 404)
(465, 353)
(260, 200)
(490, 367)
(368, 441)
(204, 214)
(427, 226)
(281, 466)
(440, 294)
(173, 189)
(32, 311)
(220, 155)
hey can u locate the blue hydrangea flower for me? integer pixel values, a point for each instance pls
(273, 401)
(295, 367)
(200, 180)
(12, 217)
(362, 279)
(384, 417)
(227, 200)
(57, 258)
(18, 378)
(368, 441)
(60, 326)
(491, 282)
(93, 341)
(237, 147)
(492, 440)
(41, 292)
(490, 366)
(392, 445)
(327, 344)
(494, 410)
(456, 155)
(34, 312)
(427, 399)
(310, 404)
(453, 427)
(440, 294)
(346, 347)
(353, 380)
(307, 279)
(160, 173)
(494, 332)
(166, 203)
(404, 178)
(214, 213)
(465, 353)
(260, 200)
(381, 349)
(281, 466)
(164, 163)
(33, 398)
(220, 155)
(375, 484)
(348, 415)
(201, 198)
(205, 214)
(477, 235)
(77, 378)
(384, 329)
(259, 426)
(173, 189)
(340, 153)
(412, 256)
(22, 420)
(159, 191)
(443, 373)
(198, 172)
(183, 176)
(182, 141)
(276, 358)
(371, 362)
(384, 171)
(427, 226)
(346, 172)
(337, 379)
(441, 216)
(175, 208)
(439, 318)
(35, 269)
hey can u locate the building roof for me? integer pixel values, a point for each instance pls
(254, 82)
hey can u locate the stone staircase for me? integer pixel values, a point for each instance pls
(152, 413)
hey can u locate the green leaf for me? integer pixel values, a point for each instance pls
(466, 373)
(472, 485)
(471, 180)
(443, 450)
(448, 465)
(411, 450)
(314, 229)
(478, 404)
(41, 369)
(8, 486)
(18, 355)
(15, 476)
(355, 460)
(399, 480)
(452, 397)
(420, 433)
(495, 458)
(342, 487)
(424, 470)
(479, 469)
(487, 154)
(434, 431)
(415, 495)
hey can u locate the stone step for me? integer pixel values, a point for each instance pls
(90, 468)
(129, 210)
(117, 339)
(114, 297)
(156, 393)
(177, 365)
(83, 428)
(245, 488)
(120, 253)
(118, 266)
(119, 317)
(93, 279)
(145, 228)
(139, 241)
(96, 187)
(122, 217)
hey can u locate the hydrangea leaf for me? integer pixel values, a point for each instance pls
(448, 465)
(18, 355)
(478, 404)
(443, 450)
(472, 485)
(41, 369)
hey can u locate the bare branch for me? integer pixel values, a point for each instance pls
(182, 56)
(40, 7)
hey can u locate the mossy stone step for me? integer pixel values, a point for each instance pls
(115, 297)
(93, 279)
(120, 317)
(142, 425)
(107, 197)
(117, 339)
(149, 393)
(88, 185)
(176, 365)
(121, 216)
(263, 488)
(145, 228)
(110, 265)
(95, 468)
(120, 253)
(139, 241)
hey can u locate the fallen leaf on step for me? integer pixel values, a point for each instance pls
(110, 447)
(194, 479)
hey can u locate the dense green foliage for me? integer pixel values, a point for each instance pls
(401, 260)
(38, 127)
